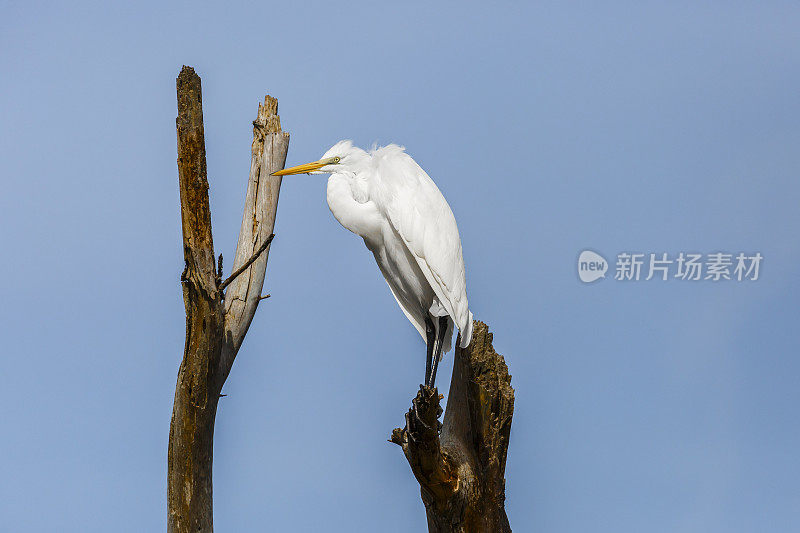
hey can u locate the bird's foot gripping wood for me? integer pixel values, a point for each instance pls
(420, 441)
(421, 418)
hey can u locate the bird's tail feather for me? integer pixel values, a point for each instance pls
(466, 335)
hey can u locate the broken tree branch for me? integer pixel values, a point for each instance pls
(461, 472)
(213, 333)
(246, 264)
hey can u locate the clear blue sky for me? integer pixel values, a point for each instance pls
(649, 406)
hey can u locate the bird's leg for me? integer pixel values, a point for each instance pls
(438, 349)
(430, 334)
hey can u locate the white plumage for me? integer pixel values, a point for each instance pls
(385, 197)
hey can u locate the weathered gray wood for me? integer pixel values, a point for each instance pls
(214, 332)
(268, 154)
(461, 472)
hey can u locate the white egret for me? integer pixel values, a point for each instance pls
(385, 197)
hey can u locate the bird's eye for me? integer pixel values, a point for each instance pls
(337, 159)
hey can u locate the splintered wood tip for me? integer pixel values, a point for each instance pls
(268, 117)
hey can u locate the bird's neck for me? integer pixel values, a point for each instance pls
(352, 208)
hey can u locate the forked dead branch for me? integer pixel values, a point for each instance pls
(216, 322)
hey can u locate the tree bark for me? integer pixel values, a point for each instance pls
(215, 328)
(461, 471)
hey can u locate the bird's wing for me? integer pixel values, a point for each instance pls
(419, 326)
(416, 209)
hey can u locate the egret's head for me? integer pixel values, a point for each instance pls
(342, 157)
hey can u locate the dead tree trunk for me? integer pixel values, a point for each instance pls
(461, 472)
(216, 321)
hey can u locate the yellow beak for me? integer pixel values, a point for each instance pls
(303, 169)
